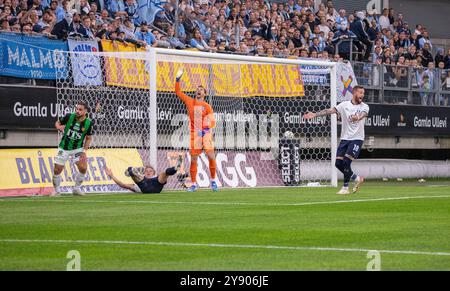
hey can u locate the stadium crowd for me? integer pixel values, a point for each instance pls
(259, 27)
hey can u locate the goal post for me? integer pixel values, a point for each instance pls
(212, 70)
(261, 138)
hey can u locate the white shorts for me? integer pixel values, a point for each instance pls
(63, 155)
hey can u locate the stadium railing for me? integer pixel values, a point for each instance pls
(397, 84)
(385, 83)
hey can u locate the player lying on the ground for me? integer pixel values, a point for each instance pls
(353, 114)
(144, 178)
(77, 136)
(201, 117)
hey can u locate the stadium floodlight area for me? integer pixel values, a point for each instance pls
(261, 139)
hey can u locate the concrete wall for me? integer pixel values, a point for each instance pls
(381, 168)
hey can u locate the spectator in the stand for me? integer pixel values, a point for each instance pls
(426, 55)
(16, 10)
(315, 45)
(4, 25)
(312, 21)
(359, 29)
(188, 24)
(389, 76)
(76, 28)
(344, 35)
(55, 9)
(15, 27)
(116, 8)
(351, 18)
(174, 41)
(401, 73)
(412, 52)
(181, 30)
(61, 10)
(104, 17)
(84, 7)
(341, 17)
(324, 26)
(439, 56)
(294, 28)
(372, 15)
(131, 8)
(425, 39)
(425, 82)
(330, 8)
(5, 14)
(198, 42)
(87, 26)
(26, 29)
(164, 18)
(401, 52)
(61, 28)
(35, 5)
(297, 39)
(447, 60)
(415, 40)
(384, 21)
(306, 38)
(403, 40)
(406, 29)
(445, 83)
(47, 22)
(418, 29)
(145, 37)
(128, 28)
(377, 53)
(161, 39)
(329, 46)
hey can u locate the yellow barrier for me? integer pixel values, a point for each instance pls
(243, 80)
(30, 171)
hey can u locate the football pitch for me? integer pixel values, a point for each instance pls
(408, 223)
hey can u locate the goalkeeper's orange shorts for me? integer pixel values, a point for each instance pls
(199, 143)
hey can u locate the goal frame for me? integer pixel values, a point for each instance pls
(153, 59)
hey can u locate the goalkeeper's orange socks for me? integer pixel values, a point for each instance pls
(212, 168)
(193, 170)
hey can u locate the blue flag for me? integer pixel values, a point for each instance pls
(147, 9)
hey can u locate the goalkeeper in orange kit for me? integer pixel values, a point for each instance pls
(201, 117)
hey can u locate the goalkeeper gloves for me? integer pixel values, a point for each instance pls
(179, 74)
(203, 132)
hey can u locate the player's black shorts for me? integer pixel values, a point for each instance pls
(349, 147)
(150, 186)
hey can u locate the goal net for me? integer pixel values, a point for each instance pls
(260, 138)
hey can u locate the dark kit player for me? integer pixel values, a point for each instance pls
(145, 179)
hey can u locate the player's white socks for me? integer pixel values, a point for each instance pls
(56, 180)
(79, 178)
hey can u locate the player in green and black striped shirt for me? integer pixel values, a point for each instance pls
(77, 136)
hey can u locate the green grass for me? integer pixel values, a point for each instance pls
(236, 220)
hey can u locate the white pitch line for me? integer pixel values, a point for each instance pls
(222, 203)
(219, 245)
